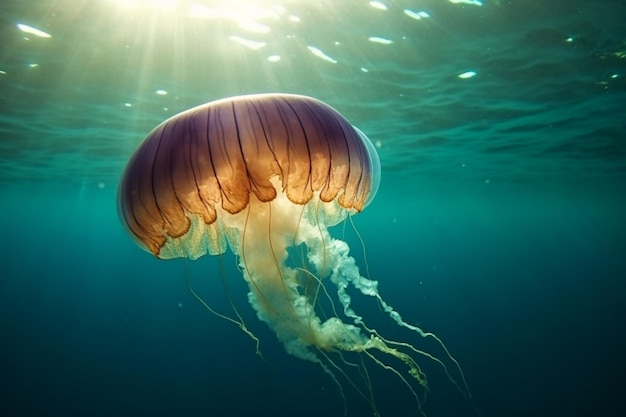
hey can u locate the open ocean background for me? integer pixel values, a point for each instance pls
(500, 223)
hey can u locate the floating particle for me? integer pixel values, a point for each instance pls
(383, 41)
(378, 5)
(33, 31)
(467, 74)
(318, 53)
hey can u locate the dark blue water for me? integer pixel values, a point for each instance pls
(499, 224)
(525, 288)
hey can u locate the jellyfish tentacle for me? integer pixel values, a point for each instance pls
(378, 343)
(242, 326)
(370, 399)
(345, 272)
(398, 374)
(367, 288)
(240, 322)
(414, 367)
(277, 264)
(242, 252)
(309, 309)
(365, 375)
(360, 238)
(335, 380)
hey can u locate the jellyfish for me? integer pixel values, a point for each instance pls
(267, 175)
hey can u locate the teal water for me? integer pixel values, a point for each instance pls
(499, 224)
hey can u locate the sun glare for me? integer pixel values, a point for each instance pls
(247, 14)
(166, 5)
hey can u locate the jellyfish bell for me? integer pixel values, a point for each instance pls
(221, 156)
(264, 174)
